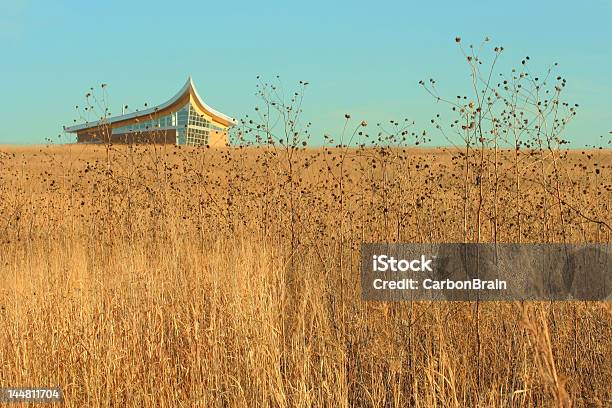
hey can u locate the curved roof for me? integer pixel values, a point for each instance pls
(187, 91)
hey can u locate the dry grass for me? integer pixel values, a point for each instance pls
(196, 277)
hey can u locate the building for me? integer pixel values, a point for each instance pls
(183, 120)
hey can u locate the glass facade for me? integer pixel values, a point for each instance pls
(191, 127)
(164, 122)
(198, 128)
(181, 130)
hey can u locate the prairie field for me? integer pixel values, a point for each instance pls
(159, 276)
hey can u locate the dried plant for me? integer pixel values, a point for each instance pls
(147, 275)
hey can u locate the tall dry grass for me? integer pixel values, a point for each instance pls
(159, 276)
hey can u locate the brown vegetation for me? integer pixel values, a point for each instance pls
(164, 276)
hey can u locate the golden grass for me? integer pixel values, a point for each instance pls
(158, 276)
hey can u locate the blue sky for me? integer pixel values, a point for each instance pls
(362, 58)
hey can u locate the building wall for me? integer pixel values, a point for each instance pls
(167, 136)
(217, 139)
(97, 135)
